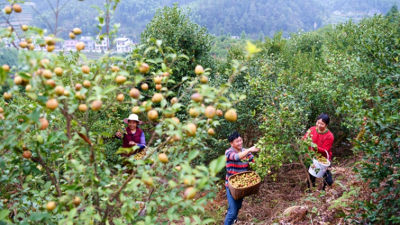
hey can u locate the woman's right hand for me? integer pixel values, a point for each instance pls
(118, 134)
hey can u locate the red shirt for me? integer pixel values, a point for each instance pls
(323, 141)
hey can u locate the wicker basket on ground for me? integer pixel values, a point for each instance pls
(238, 193)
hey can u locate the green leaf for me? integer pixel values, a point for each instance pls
(193, 154)
(4, 214)
(2, 163)
(108, 89)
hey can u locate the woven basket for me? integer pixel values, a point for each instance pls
(238, 193)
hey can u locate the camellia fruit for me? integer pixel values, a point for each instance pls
(219, 112)
(148, 181)
(76, 201)
(135, 109)
(24, 27)
(196, 97)
(23, 44)
(80, 46)
(39, 139)
(66, 93)
(199, 70)
(192, 129)
(59, 90)
(120, 79)
(1, 110)
(166, 74)
(78, 86)
(152, 114)
(44, 123)
(211, 131)
(163, 158)
(144, 68)
(47, 74)
(8, 10)
(31, 47)
(231, 115)
(193, 112)
(50, 48)
(146, 106)
(27, 154)
(87, 84)
(158, 87)
(178, 168)
(190, 193)
(7, 96)
(157, 80)
(134, 93)
(203, 79)
(115, 69)
(85, 69)
(120, 97)
(17, 8)
(51, 83)
(6, 67)
(71, 35)
(83, 108)
(52, 104)
(174, 100)
(144, 87)
(51, 206)
(157, 97)
(210, 111)
(17, 80)
(77, 31)
(96, 105)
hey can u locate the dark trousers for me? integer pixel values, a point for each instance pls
(233, 208)
(328, 179)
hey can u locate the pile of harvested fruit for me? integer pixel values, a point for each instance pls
(322, 159)
(139, 155)
(244, 180)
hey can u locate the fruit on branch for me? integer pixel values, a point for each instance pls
(7, 95)
(120, 97)
(231, 115)
(71, 35)
(23, 44)
(52, 104)
(144, 87)
(157, 97)
(80, 46)
(144, 68)
(96, 105)
(163, 158)
(6, 67)
(24, 27)
(8, 10)
(120, 79)
(219, 112)
(27, 154)
(50, 206)
(146, 106)
(136, 109)
(198, 70)
(211, 131)
(77, 31)
(158, 87)
(76, 201)
(44, 123)
(157, 80)
(148, 181)
(210, 111)
(17, 8)
(85, 69)
(197, 97)
(174, 100)
(87, 84)
(192, 129)
(115, 69)
(47, 74)
(17, 80)
(83, 108)
(190, 193)
(78, 86)
(50, 48)
(134, 93)
(203, 79)
(152, 114)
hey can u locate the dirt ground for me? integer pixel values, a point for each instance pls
(286, 201)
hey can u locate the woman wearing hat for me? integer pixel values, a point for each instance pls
(133, 135)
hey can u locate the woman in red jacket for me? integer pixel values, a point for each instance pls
(323, 138)
(133, 135)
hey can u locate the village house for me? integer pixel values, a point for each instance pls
(124, 44)
(101, 45)
(70, 44)
(89, 43)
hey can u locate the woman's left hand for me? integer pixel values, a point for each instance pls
(132, 143)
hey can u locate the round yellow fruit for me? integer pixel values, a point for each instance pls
(210, 111)
(71, 35)
(85, 69)
(231, 115)
(44, 123)
(174, 100)
(158, 87)
(59, 90)
(80, 46)
(96, 105)
(120, 97)
(8, 10)
(77, 31)
(193, 112)
(52, 104)
(87, 84)
(83, 108)
(192, 129)
(76, 201)
(144, 68)
(136, 109)
(24, 27)
(120, 79)
(6, 67)
(211, 131)
(199, 70)
(51, 206)
(23, 44)
(17, 80)
(134, 93)
(115, 69)
(144, 87)
(157, 80)
(190, 193)
(50, 48)
(152, 114)
(163, 158)
(157, 97)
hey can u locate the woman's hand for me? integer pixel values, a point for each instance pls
(118, 134)
(132, 143)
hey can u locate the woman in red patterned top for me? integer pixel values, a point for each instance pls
(323, 138)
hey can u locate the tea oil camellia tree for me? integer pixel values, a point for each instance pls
(54, 121)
